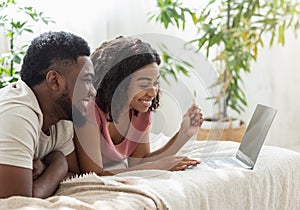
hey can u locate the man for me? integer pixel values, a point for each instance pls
(36, 147)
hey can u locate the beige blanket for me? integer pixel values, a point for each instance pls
(90, 192)
(273, 184)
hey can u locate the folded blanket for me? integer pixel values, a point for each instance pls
(109, 192)
(90, 191)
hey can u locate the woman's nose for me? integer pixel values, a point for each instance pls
(152, 91)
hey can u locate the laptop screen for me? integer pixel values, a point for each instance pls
(255, 134)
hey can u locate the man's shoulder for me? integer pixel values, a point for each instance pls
(18, 96)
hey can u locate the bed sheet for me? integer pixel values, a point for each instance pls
(273, 184)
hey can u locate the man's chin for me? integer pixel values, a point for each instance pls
(79, 119)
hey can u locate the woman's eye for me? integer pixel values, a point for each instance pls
(144, 85)
(148, 85)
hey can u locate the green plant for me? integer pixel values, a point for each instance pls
(172, 66)
(16, 20)
(233, 30)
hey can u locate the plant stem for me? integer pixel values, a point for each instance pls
(226, 68)
(12, 53)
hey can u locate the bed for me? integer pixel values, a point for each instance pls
(273, 184)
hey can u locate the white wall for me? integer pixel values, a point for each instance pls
(274, 79)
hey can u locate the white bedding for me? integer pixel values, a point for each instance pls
(273, 184)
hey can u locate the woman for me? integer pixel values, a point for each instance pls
(127, 82)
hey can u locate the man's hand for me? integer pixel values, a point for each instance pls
(38, 168)
(47, 182)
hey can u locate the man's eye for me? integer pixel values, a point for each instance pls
(88, 82)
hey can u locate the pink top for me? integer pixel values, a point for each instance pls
(123, 150)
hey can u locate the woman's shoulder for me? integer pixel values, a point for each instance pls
(94, 113)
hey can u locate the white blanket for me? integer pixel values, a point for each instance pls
(273, 184)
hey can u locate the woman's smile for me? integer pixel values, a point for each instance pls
(146, 103)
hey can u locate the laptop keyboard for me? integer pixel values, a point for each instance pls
(224, 162)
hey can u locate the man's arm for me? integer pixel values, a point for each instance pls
(56, 169)
(15, 181)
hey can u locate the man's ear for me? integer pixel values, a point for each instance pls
(54, 80)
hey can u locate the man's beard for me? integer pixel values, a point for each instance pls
(71, 111)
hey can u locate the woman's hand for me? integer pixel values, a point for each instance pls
(191, 121)
(171, 163)
(180, 163)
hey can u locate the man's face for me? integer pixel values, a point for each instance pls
(79, 90)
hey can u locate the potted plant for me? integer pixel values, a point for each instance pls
(15, 20)
(233, 31)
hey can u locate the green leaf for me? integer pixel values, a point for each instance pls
(281, 34)
(28, 30)
(272, 38)
(236, 46)
(17, 59)
(194, 18)
(13, 26)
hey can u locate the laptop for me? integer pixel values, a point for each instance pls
(251, 143)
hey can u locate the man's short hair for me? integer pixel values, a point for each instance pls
(51, 49)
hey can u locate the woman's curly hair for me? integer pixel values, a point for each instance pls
(114, 61)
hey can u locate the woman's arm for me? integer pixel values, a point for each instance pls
(190, 124)
(88, 149)
(169, 163)
(73, 167)
(87, 144)
(192, 120)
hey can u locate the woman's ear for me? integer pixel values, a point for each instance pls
(54, 80)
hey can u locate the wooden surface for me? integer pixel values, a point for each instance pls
(229, 134)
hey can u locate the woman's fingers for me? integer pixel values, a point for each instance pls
(196, 116)
(178, 168)
(183, 163)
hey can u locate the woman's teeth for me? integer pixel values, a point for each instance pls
(146, 102)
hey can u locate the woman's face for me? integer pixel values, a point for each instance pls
(143, 87)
